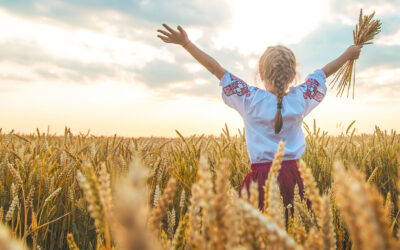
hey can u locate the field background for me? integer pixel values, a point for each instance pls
(41, 171)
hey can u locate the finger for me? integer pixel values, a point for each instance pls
(166, 41)
(165, 33)
(181, 29)
(169, 28)
(164, 38)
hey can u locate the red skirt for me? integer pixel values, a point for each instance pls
(288, 177)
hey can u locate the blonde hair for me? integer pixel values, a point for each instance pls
(278, 65)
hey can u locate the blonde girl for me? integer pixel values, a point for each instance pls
(271, 115)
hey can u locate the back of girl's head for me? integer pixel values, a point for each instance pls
(277, 65)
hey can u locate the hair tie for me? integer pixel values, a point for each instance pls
(279, 105)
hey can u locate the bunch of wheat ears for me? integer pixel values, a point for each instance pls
(365, 31)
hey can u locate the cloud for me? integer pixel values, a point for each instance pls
(56, 53)
(13, 78)
(134, 20)
(322, 46)
(382, 81)
(194, 12)
(159, 73)
(390, 39)
(44, 66)
(347, 13)
(349, 9)
(29, 63)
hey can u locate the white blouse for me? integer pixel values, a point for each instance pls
(258, 107)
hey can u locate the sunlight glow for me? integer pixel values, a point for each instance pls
(258, 24)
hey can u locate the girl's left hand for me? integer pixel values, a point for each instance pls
(177, 37)
(353, 52)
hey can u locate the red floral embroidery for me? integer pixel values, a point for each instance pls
(311, 91)
(237, 86)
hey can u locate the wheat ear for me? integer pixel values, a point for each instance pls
(263, 225)
(326, 224)
(310, 187)
(273, 172)
(164, 202)
(131, 209)
(226, 233)
(275, 205)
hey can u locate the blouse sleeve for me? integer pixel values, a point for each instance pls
(313, 90)
(236, 93)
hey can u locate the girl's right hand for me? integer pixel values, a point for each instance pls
(173, 36)
(353, 52)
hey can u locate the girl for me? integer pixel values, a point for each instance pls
(269, 115)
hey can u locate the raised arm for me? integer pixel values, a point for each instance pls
(180, 37)
(351, 53)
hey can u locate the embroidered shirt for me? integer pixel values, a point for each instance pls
(258, 107)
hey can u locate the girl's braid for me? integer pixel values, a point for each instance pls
(278, 65)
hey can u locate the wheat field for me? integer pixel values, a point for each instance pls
(86, 192)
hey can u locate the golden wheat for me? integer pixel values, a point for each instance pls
(273, 172)
(163, 204)
(310, 187)
(85, 185)
(7, 242)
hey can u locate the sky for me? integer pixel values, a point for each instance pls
(98, 65)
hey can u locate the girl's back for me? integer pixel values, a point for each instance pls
(258, 109)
